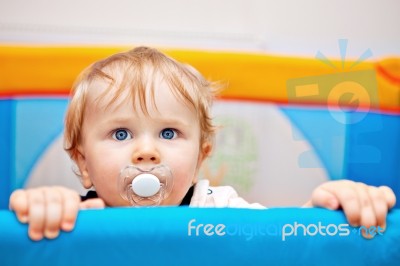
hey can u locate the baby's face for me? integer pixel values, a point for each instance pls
(121, 135)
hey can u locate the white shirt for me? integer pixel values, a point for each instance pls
(221, 196)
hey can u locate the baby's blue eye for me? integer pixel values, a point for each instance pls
(121, 134)
(168, 133)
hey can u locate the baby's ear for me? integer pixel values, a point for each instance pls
(205, 151)
(84, 174)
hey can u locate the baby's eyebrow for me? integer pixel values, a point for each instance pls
(173, 121)
(116, 121)
(168, 122)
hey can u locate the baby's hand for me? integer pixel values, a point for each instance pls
(363, 205)
(49, 209)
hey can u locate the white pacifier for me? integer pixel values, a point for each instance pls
(145, 187)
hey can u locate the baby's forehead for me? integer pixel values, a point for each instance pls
(106, 94)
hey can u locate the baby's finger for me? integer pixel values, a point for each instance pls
(71, 201)
(19, 204)
(367, 213)
(389, 196)
(379, 205)
(92, 204)
(54, 206)
(347, 196)
(323, 198)
(37, 214)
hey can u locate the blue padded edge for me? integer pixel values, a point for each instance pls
(160, 236)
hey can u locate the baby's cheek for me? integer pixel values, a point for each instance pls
(106, 185)
(111, 197)
(178, 192)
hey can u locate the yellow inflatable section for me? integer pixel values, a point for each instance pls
(246, 76)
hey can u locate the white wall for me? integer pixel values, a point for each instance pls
(285, 27)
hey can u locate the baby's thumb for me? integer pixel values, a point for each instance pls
(92, 204)
(324, 198)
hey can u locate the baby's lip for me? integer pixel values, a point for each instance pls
(146, 168)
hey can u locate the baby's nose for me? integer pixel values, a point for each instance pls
(146, 156)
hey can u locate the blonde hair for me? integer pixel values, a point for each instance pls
(137, 69)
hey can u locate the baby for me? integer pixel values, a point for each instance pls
(138, 127)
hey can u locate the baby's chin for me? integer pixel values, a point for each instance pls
(115, 201)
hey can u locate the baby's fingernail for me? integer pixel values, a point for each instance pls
(366, 235)
(354, 224)
(51, 234)
(23, 218)
(67, 226)
(383, 227)
(35, 235)
(332, 204)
